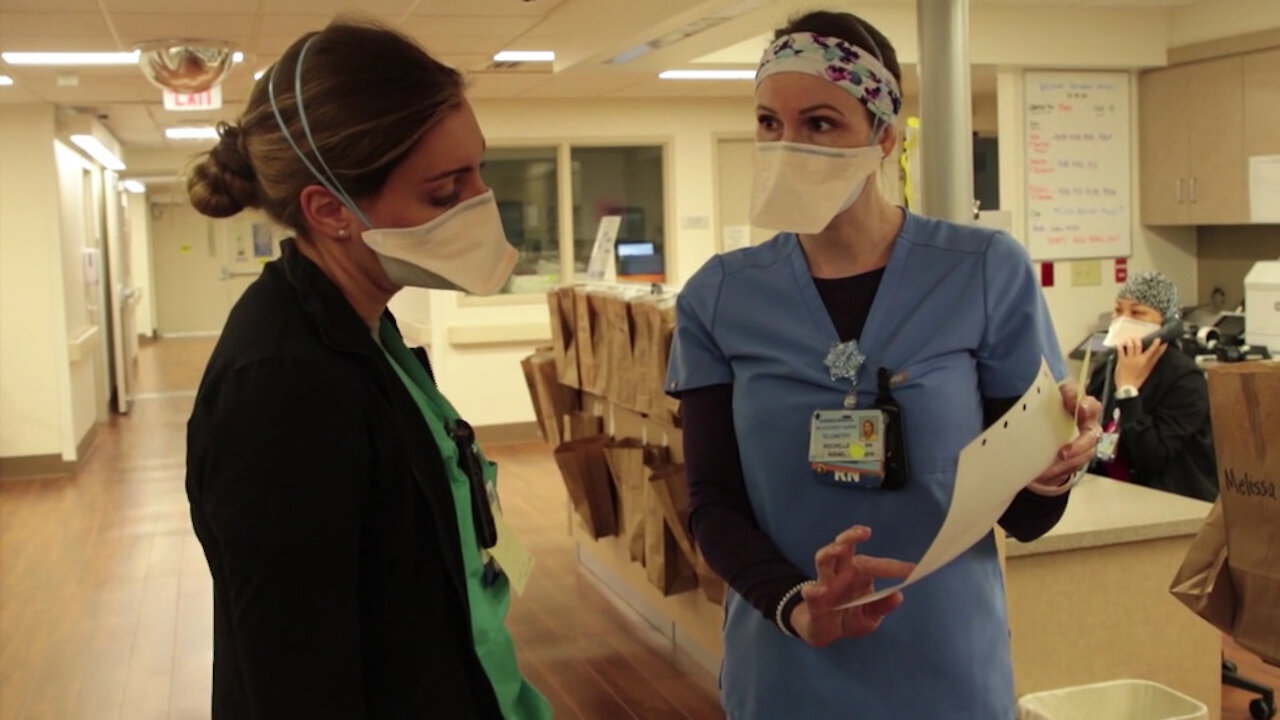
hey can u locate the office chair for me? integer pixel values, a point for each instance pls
(1264, 707)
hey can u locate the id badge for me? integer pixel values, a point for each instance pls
(847, 447)
(1106, 449)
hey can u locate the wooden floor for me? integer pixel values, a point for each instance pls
(105, 606)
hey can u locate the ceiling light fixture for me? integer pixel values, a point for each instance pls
(71, 58)
(237, 57)
(688, 30)
(5, 80)
(98, 151)
(708, 75)
(525, 56)
(134, 186)
(206, 132)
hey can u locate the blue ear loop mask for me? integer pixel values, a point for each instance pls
(464, 249)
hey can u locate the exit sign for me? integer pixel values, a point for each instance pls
(210, 99)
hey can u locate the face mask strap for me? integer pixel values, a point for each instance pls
(327, 178)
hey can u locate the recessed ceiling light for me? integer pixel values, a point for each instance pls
(708, 75)
(237, 57)
(525, 56)
(98, 151)
(207, 132)
(6, 80)
(71, 58)
(134, 186)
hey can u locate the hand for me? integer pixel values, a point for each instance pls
(1079, 452)
(845, 576)
(1133, 364)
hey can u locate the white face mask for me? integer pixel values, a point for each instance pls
(801, 188)
(1124, 327)
(463, 249)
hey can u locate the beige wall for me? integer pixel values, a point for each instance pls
(1221, 19)
(139, 219)
(31, 296)
(1226, 255)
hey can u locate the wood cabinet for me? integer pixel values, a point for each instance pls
(1262, 103)
(1192, 144)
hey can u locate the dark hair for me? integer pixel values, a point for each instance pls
(851, 29)
(369, 93)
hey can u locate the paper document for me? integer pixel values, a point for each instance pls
(993, 469)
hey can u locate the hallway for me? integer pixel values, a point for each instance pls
(106, 601)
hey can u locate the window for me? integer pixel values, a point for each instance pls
(524, 181)
(624, 181)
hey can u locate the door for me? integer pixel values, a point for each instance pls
(123, 296)
(190, 271)
(1162, 147)
(1214, 108)
(734, 174)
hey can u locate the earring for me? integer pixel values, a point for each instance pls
(342, 233)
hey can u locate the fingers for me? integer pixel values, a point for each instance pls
(1088, 412)
(881, 568)
(854, 535)
(1082, 445)
(864, 620)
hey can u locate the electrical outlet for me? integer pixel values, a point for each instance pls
(1086, 273)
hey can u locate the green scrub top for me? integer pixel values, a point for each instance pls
(517, 698)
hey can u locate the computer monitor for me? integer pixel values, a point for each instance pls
(634, 249)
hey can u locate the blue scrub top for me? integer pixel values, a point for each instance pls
(959, 316)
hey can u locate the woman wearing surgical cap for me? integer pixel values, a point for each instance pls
(857, 309)
(1157, 430)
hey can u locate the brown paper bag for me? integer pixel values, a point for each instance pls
(642, 350)
(665, 565)
(669, 406)
(1244, 401)
(586, 478)
(597, 309)
(551, 400)
(671, 489)
(584, 324)
(1203, 583)
(564, 335)
(579, 424)
(626, 464)
(619, 341)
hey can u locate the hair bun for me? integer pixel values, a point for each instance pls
(224, 183)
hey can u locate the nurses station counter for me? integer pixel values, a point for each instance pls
(1088, 602)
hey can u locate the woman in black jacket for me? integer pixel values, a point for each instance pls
(1157, 417)
(347, 515)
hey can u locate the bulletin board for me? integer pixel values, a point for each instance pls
(1077, 165)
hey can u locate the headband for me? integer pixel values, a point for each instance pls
(840, 62)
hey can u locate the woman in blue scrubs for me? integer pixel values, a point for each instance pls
(858, 305)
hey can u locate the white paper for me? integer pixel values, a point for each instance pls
(1264, 188)
(993, 469)
(603, 266)
(736, 236)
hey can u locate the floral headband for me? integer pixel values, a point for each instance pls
(840, 62)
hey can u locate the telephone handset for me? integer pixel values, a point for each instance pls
(1170, 333)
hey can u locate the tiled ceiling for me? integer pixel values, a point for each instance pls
(464, 33)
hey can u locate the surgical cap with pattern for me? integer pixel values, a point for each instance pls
(1155, 290)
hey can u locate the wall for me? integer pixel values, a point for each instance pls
(1226, 255)
(32, 329)
(1075, 310)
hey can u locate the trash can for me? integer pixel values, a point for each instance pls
(1115, 700)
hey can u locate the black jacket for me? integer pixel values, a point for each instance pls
(1165, 432)
(326, 517)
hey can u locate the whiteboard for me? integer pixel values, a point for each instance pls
(1077, 166)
